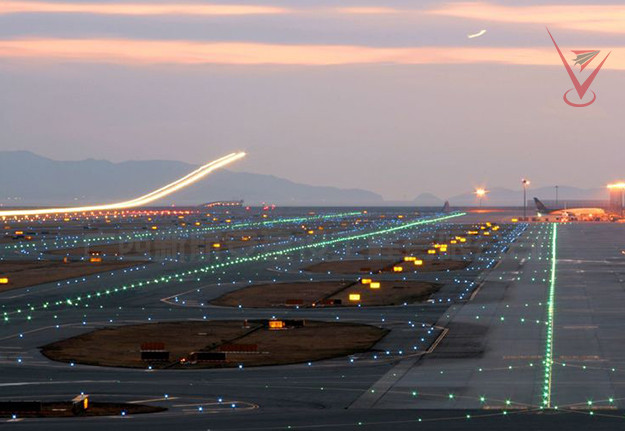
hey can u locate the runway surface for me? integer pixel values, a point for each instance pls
(487, 351)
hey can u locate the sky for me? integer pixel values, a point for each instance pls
(389, 96)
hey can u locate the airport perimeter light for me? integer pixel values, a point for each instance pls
(480, 193)
(525, 182)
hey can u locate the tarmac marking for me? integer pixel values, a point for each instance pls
(152, 400)
(56, 383)
(522, 357)
(580, 327)
(582, 358)
(437, 341)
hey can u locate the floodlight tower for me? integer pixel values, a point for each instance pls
(525, 182)
(557, 196)
(480, 193)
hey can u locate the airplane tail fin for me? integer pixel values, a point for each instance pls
(446, 208)
(541, 207)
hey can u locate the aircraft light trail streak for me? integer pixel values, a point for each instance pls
(170, 188)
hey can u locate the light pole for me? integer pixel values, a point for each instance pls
(480, 193)
(525, 182)
(556, 197)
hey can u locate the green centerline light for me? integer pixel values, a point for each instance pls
(235, 261)
(548, 360)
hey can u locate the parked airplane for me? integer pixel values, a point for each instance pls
(575, 214)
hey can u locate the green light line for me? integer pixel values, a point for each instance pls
(140, 236)
(229, 262)
(548, 360)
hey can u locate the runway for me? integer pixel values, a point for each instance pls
(472, 357)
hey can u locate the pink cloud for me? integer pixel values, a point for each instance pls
(595, 18)
(186, 52)
(136, 8)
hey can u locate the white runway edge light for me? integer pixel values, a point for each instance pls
(170, 188)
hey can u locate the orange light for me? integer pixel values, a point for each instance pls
(431, 251)
(418, 262)
(95, 259)
(354, 296)
(398, 268)
(409, 259)
(365, 281)
(85, 403)
(216, 245)
(276, 324)
(480, 193)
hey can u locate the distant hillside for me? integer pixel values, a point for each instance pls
(37, 180)
(428, 200)
(498, 196)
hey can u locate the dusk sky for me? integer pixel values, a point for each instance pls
(389, 96)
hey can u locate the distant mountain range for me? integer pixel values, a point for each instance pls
(29, 179)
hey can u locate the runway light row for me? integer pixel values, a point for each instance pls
(548, 360)
(230, 262)
(149, 235)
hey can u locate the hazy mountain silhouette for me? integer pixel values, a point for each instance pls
(428, 200)
(37, 180)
